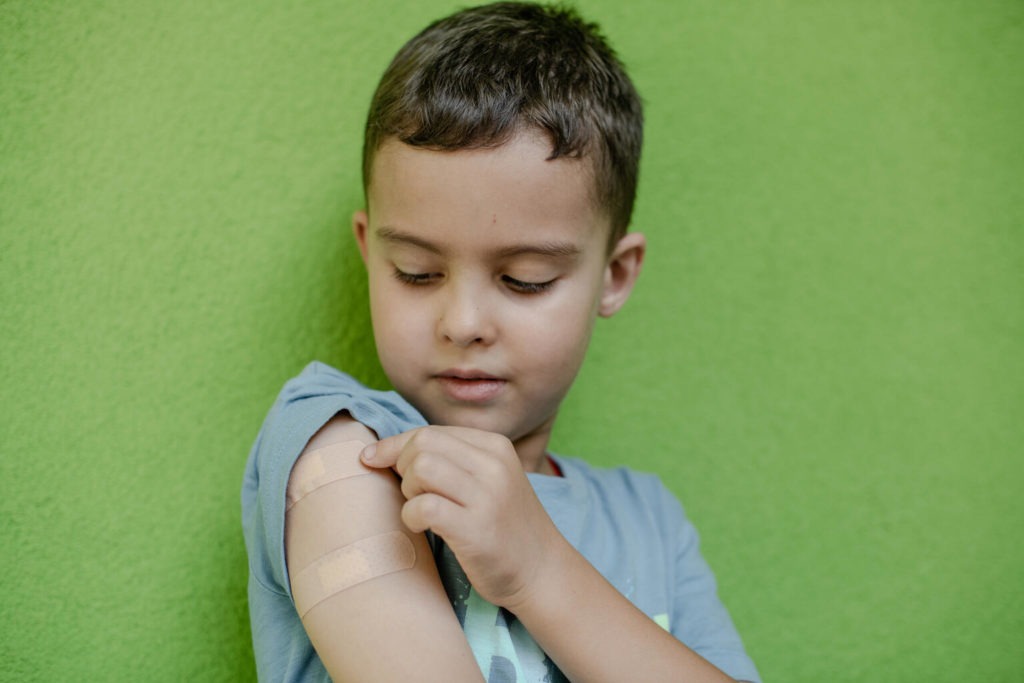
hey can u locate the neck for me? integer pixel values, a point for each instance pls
(532, 449)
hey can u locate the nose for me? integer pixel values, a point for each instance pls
(465, 318)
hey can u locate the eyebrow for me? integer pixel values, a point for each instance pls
(398, 237)
(551, 249)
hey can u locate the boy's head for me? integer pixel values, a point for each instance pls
(502, 144)
(483, 75)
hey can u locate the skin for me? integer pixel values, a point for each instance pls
(346, 628)
(489, 261)
(487, 269)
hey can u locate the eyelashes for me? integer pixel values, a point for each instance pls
(413, 278)
(514, 284)
(526, 287)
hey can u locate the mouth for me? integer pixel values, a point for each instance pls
(470, 386)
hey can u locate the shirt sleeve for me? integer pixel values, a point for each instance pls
(282, 649)
(305, 404)
(699, 619)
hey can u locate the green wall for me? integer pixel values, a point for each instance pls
(824, 358)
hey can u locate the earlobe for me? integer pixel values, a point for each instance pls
(360, 226)
(620, 274)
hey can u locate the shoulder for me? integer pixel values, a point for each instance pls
(623, 486)
(318, 380)
(305, 404)
(318, 393)
(645, 515)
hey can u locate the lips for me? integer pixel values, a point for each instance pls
(470, 386)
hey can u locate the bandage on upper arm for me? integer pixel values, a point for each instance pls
(344, 536)
(323, 466)
(342, 526)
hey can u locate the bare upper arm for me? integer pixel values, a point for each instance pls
(373, 625)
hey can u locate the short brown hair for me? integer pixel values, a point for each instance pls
(478, 77)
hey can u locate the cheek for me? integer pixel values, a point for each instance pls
(396, 324)
(560, 339)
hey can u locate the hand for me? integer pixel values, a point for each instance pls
(468, 487)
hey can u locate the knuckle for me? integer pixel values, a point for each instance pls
(427, 466)
(410, 518)
(424, 436)
(408, 488)
(422, 512)
(501, 445)
(493, 468)
(501, 441)
(430, 506)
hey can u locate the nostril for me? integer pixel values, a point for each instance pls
(463, 321)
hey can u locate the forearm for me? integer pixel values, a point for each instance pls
(468, 486)
(594, 634)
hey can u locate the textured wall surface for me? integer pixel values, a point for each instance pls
(824, 357)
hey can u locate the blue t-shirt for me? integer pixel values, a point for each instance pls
(627, 524)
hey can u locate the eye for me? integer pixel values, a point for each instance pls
(526, 287)
(414, 278)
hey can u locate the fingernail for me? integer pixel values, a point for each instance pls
(368, 453)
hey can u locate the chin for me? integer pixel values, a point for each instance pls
(475, 419)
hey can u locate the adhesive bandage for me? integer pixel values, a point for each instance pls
(324, 465)
(351, 565)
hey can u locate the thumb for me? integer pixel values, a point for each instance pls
(384, 453)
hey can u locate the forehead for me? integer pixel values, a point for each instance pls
(513, 187)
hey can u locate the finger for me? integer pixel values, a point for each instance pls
(384, 453)
(436, 472)
(431, 511)
(389, 452)
(475, 450)
(486, 454)
(437, 442)
(484, 440)
(402, 450)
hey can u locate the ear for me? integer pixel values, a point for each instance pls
(621, 273)
(360, 228)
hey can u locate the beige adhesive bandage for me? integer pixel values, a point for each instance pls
(324, 465)
(351, 565)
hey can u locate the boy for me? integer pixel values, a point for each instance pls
(500, 166)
